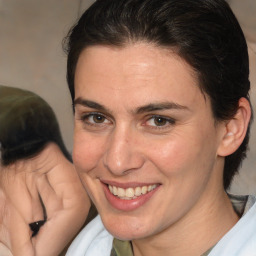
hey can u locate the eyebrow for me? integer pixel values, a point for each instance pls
(160, 106)
(140, 110)
(90, 104)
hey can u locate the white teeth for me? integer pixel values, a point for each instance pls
(120, 192)
(130, 193)
(150, 188)
(114, 191)
(144, 190)
(137, 191)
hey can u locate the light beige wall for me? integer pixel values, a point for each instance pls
(31, 57)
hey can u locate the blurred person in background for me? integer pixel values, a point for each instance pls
(42, 202)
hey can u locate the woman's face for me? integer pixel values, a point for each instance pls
(145, 141)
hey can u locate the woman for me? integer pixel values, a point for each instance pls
(42, 202)
(162, 115)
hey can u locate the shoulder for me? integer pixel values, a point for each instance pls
(94, 239)
(241, 239)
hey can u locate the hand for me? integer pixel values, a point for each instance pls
(45, 187)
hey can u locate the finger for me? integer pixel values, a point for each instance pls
(57, 233)
(4, 238)
(67, 185)
(49, 198)
(20, 189)
(37, 208)
(18, 232)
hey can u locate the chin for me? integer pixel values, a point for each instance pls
(128, 235)
(126, 228)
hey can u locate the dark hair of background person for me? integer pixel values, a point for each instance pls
(205, 33)
(27, 125)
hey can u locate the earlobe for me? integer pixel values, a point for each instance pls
(235, 129)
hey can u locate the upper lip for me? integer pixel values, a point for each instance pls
(128, 184)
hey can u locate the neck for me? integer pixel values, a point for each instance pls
(199, 230)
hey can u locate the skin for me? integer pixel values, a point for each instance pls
(52, 176)
(117, 140)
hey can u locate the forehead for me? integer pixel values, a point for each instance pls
(140, 72)
(131, 59)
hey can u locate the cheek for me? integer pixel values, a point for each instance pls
(170, 155)
(87, 151)
(182, 154)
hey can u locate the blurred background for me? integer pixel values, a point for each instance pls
(31, 57)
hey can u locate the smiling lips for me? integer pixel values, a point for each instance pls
(129, 197)
(130, 193)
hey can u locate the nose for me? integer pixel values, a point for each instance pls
(122, 154)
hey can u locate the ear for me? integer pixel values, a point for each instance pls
(235, 129)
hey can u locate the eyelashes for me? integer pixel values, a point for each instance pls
(154, 122)
(95, 119)
(159, 121)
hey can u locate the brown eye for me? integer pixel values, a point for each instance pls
(160, 121)
(98, 119)
(95, 119)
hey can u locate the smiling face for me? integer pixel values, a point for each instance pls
(145, 141)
